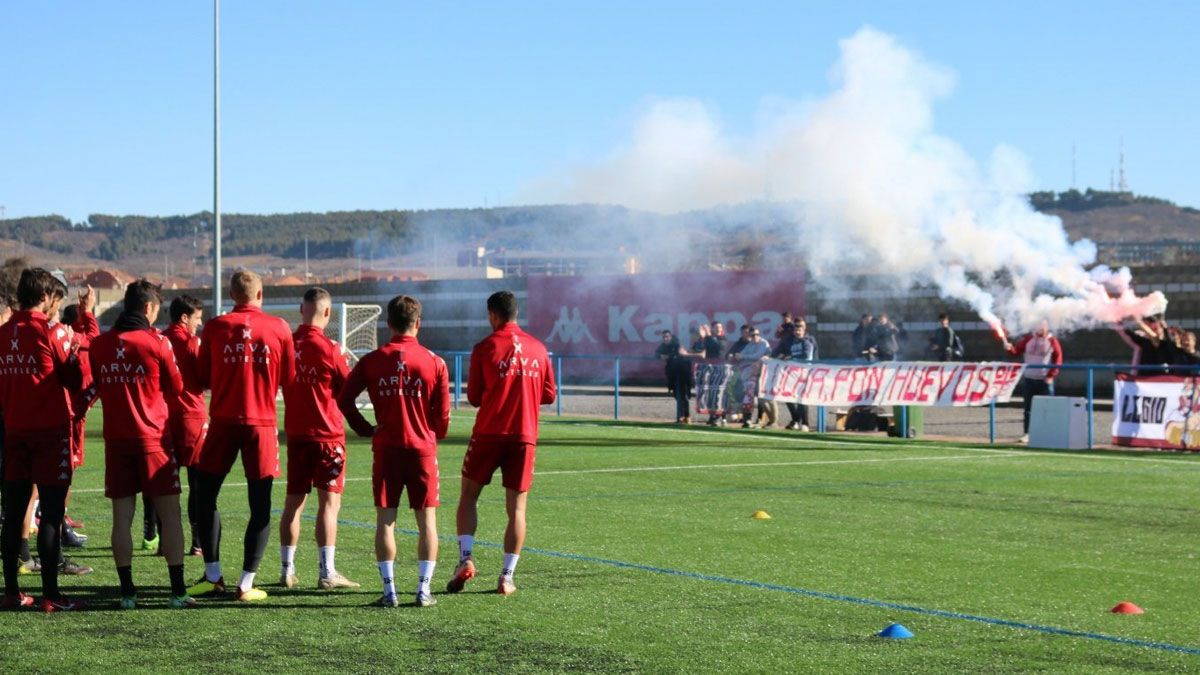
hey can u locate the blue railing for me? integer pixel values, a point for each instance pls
(459, 358)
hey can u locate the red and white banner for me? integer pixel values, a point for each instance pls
(1156, 411)
(625, 315)
(887, 384)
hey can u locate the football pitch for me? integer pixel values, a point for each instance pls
(642, 556)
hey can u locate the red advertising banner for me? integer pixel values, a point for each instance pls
(625, 315)
(887, 384)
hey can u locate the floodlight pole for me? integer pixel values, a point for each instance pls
(216, 157)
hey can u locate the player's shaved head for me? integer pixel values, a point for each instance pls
(316, 307)
(403, 314)
(245, 286)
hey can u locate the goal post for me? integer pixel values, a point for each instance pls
(356, 327)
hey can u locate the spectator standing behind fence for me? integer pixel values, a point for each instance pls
(1150, 342)
(883, 343)
(679, 375)
(784, 331)
(860, 340)
(1187, 355)
(944, 343)
(714, 342)
(800, 347)
(1040, 348)
(748, 361)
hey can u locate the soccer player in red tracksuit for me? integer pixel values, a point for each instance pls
(245, 356)
(410, 390)
(39, 372)
(188, 411)
(135, 375)
(510, 377)
(316, 442)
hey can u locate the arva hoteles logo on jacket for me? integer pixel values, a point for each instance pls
(630, 324)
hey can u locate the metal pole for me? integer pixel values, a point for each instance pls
(216, 157)
(821, 419)
(457, 379)
(558, 381)
(903, 422)
(617, 388)
(1091, 398)
(992, 422)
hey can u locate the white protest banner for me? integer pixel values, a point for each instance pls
(891, 383)
(713, 380)
(1156, 411)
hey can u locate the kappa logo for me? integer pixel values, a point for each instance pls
(16, 344)
(120, 350)
(401, 366)
(246, 334)
(569, 328)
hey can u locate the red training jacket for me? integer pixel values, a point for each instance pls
(39, 373)
(245, 356)
(510, 377)
(410, 390)
(310, 405)
(1039, 351)
(86, 329)
(189, 404)
(135, 375)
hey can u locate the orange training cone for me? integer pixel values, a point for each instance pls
(1127, 608)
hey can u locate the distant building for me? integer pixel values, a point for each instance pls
(109, 278)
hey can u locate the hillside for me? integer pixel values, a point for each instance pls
(530, 238)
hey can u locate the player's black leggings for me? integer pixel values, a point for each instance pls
(54, 507)
(207, 488)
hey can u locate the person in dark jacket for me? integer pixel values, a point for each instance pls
(860, 340)
(944, 343)
(883, 339)
(679, 375)
(801, 347)
(714, 344)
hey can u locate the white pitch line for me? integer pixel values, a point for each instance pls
(743, 465)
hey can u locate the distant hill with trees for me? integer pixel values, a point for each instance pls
(736, 236)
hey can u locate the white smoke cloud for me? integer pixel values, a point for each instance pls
(876, 187)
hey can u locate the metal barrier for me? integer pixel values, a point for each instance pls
(460, 358)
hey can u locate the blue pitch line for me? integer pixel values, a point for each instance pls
(822, 595)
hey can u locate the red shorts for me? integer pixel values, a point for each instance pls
(78, 436)
(513, 458)
(133, 466)
(395, 469)
(187, 435)
(315, 464)
(41, 457)
(259, 446)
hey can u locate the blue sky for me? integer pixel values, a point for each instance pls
(106, 107)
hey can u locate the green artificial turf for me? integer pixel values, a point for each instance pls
(642, 556)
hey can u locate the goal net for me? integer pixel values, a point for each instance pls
(356, 327)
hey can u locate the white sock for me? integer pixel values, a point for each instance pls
(287, 554)
(212, 571)
(386, 572)
(247, 581)
(510, 565)
(465, 543)
(424, 574)
(326, 557)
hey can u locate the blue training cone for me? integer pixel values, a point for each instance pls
(895, 632)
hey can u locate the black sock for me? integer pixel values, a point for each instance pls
(53, 499)
(125, 574)
(16, 498)
(258, 529)
(178, 587)
(24, 554)
(149, 519)
(207, 488)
